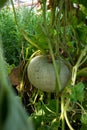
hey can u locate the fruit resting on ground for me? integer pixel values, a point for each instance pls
(42, 75)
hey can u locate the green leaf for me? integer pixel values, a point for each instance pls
(12, 114)
(83, 127)
(41, 41)
(84, 118)
(77, 92)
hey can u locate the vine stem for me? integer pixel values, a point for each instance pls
(79, 62)
(67, 121)
(65, 115)
(14, 12)
(81, 57)
(30, 41)
(58, 86)
(62, 113)
(81, 107)
(82, 72)
(55, 67)
(44, 29)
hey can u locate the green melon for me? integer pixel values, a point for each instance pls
(42, 75)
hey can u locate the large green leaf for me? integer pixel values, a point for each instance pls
(84, 118)
(77, 92)
(12, 114)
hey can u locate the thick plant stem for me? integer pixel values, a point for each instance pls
(44, 11)
(58, 87)
(14, 12)
(57, 107)
(65, 114)
(79, 62)
(52, 15)
(82, 72)
(62, 113)
(84, 52)
(55, 67)
(67, 121)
